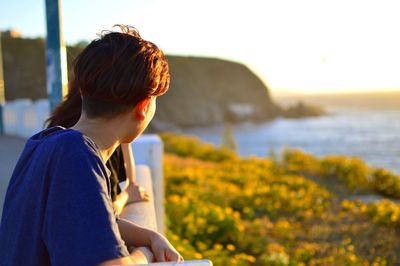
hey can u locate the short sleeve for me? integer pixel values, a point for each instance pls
(80, 226)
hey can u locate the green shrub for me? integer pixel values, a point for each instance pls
(192, 147)
(353, 172)
(299, 162)
(386, 182)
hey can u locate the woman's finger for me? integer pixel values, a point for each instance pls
(160, 256)
(145, 196)
(172, 256)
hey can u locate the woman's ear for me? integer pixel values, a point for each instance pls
(141, 109)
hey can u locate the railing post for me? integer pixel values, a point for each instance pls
(148, 150)
(56, 56)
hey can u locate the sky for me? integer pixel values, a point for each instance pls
(295, 46)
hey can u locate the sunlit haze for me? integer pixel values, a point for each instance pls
(294, 46)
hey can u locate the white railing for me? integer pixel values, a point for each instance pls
(24, 118)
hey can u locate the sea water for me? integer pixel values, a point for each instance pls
(372, 134)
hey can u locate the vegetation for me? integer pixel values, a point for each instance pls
(292, 210)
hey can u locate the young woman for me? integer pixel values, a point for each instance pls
(121, 163)
(58, 208)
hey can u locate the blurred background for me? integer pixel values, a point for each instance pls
(300, 100)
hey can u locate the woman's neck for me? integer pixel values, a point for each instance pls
(102, 133)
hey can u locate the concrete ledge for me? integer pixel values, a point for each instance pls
(148, 150)
(142, 213)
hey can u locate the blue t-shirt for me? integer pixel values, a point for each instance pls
(58, 209)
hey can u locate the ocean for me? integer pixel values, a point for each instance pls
(369, 131)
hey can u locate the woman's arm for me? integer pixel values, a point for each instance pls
(153, 246)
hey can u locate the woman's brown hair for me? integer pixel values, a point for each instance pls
(68, 112)
(111, 75)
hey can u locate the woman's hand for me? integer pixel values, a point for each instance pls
(163, 250)
(136, 193)
(137, 236)
(131, 194)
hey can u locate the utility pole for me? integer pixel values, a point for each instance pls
(2, 91)
(56, 55)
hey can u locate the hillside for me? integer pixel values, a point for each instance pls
(203, 91)
(24, 68)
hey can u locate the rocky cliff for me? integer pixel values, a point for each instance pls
(205, 91)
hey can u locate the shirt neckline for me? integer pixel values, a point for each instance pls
(97, 149)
